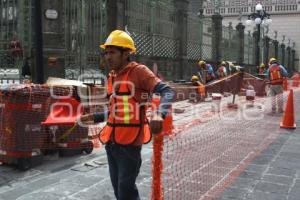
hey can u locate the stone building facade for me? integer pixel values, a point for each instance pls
(285, 15)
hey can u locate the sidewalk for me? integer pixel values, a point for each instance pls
(273, 174)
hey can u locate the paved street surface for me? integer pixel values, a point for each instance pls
(273, 174)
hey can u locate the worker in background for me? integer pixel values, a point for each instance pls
(205, 72)
(127, 128)
(233, 68)
(200, 91)
(262, 69)
(222, 72)
(275, 74)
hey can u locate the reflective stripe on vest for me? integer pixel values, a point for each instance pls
(126, 109)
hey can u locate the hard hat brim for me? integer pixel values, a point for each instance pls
(132, 50)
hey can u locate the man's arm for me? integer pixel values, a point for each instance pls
(267, 74)
(283, 71)
(100, 116)
(166, 97)
(210, 69)
(96, 117)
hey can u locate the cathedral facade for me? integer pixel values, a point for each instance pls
(285, 15)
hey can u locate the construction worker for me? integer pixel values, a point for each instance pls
(222, 72)
(195, 80)
(127, 128)
(262, 69)
(275, 74)
(200, 91)
(205, 72)
(233, 69)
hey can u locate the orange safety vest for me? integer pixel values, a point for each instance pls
(126, 116)
(201, 90)
(275, 75)
(221, 72)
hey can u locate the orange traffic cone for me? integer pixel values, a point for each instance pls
(288, 120)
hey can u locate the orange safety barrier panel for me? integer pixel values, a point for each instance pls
(31, 126)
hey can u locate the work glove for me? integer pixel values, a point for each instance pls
(156, 123)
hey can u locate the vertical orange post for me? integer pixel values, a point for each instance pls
(157, 165)
(158, 145)
(285, 84)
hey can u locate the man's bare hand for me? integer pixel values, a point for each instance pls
(156, 124)
(85, 119)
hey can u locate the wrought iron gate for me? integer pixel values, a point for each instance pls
(85, 29)
(15, 38)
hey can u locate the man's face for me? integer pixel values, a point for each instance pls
(115, 58)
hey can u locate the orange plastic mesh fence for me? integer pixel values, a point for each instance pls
(208, 150)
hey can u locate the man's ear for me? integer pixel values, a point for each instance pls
(126, 54)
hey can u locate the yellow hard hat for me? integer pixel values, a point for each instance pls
(194, 78)
(120, 39)
(223, 63)
(201, 62)
(272, 60)
(262, 65)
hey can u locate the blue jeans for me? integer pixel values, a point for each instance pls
(124, 163)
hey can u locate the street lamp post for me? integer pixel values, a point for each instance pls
(259, 17)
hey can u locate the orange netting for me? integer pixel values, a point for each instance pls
(207, 150)
(38, 118)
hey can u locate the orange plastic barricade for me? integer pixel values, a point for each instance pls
(64, 112)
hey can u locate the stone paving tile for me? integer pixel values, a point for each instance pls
(293, 198)
(259, 195)
(244, 183)
(263, 159)
(256, 168)
(285, 163)
(14, 194)
(281, 171)
(40, 196)
(234, 193)
(288, 181)
(250, 175)
(271, 187)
